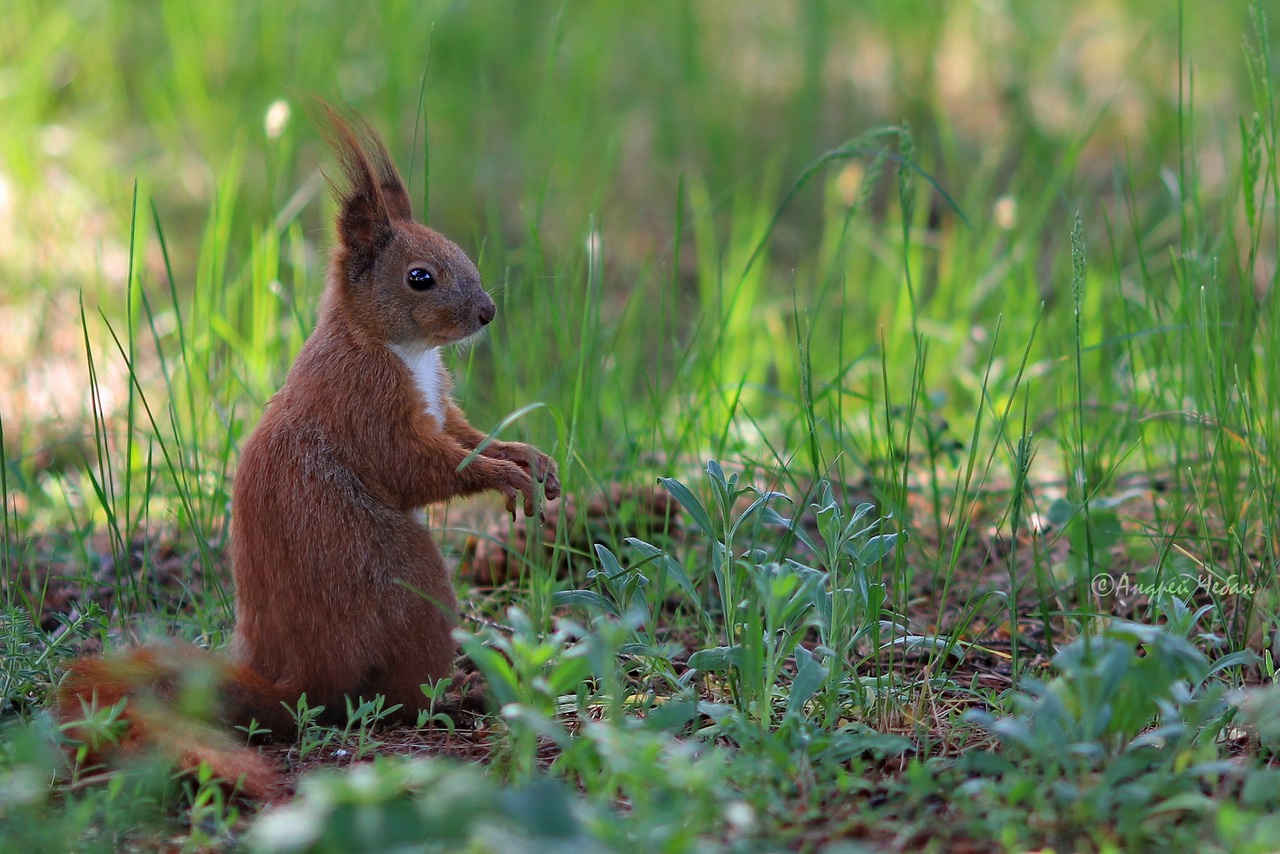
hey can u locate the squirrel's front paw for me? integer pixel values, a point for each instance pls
(515, 481)
(542, 467)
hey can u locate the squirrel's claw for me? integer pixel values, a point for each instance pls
(511, 504)
(548, 477)
(551, 485)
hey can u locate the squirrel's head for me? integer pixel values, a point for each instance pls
(400, 281)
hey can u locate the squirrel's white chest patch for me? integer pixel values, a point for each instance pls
(428, 375)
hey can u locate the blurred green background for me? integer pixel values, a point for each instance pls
(554, 111)
(614, 167)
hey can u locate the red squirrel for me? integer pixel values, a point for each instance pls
(340, 590)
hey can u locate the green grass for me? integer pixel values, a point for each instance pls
(985, 293)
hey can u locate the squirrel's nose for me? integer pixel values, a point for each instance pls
(487, 312)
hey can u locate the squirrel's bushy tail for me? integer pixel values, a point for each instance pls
(181, 702)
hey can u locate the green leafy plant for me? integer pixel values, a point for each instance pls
(434, 692)
(363, 716)
(768, 605)
(312, 736)
(430, 805)
(1123, 734)
(529, 675)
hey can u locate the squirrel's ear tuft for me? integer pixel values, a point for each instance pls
(370, 193)
(394, 193)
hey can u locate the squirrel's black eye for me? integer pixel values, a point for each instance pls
(420, 279)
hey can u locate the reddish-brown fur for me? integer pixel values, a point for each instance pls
(340, 589)
(151, 681)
